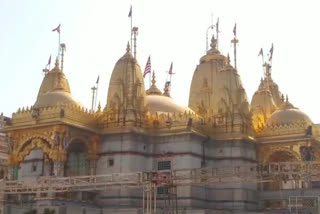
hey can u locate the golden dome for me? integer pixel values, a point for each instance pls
(288, 114)
(164, 104)
(54, 89)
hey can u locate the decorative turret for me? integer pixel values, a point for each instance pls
(271, 85)
(262, 105)
(126, 104)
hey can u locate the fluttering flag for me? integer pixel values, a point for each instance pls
(130, 12)
(98, 79)
(170, 70)
(49, 61)
(57, 29)
(148, 68)
(271, 52)
(235, 29)
(261, 52)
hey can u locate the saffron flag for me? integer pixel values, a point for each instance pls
(148, 68)
(130, 12)
(49, 61)
(57, 29)
(271, 52)
(235, 29)
(170, 70)
(261, 52)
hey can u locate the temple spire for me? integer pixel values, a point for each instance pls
(128, 48)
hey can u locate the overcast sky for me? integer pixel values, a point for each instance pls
(96, 33)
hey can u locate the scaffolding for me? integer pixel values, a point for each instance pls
(150, 181)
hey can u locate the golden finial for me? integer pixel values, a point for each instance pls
(128, 48)
(99, 107)
(153, 88)
(56, 64)
(213, 44)
(153, 78)
(228, 59)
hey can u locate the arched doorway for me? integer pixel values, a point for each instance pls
(36, 163)
(283, 182)
(77, 162)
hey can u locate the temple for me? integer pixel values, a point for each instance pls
(145, 130)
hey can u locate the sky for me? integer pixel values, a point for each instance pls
(96, 33)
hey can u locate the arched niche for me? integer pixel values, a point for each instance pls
(36, 163)
(77, 161)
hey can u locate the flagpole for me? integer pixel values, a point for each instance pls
(59, 47)
(150, 79)
(131, 28)
(95, 102)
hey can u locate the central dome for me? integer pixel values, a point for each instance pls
(164, 104)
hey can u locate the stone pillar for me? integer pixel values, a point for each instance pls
(13, 172)
(58, 168)
(92, 166)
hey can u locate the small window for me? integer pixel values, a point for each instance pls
(164, 165)
(162, 190)
(110, 162)
(33, 168)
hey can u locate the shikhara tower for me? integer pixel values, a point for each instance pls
(143, 130)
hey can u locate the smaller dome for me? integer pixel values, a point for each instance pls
(54, 98)
(54, 89)
(263, 100)
(288, 114)
(164, 104)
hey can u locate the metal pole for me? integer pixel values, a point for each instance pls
(143, 208)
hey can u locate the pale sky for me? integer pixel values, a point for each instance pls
(96, 33)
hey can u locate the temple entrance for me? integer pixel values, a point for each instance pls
(77, 163)
(282, 183)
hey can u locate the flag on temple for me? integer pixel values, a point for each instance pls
(235, 29)
(57, 29)
(130, 12)
(271, 52)
(49, 61)
(148, 68)
(170, 70)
